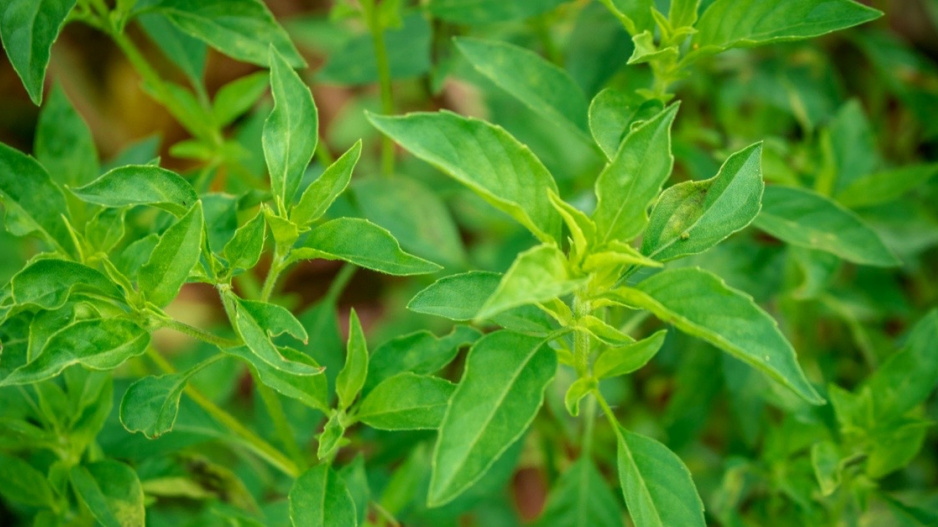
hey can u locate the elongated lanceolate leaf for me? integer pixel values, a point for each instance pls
(111, 491)
(243, 29)
(657, 486)
(532, 80)
(501, 391)
(633, 178)
(686, 298)
(48, 283)
(140, 185)
(31, 199)
(291, 132)
(422, 353)
(737, 23)
(581, 498)
(96, 344)
(406, 401)
(883, 187)
(623, 360)
(537, 275)
(485, 158)
(910, 375)
(693, 216)
(807, 219)
(176, 253)
(28, 29)
(151, 404)
(351, 379)
(238, 96)
(322, 192)
(320, 498)
(311, 390)
(257, 338)
(362, 243)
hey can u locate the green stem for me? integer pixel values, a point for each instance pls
(373, 20)
(281, 424)
(589, 416)
(581, 340)
(197, 333)
(606, 409)
(273, 274)
(340, 281)
(248, 438)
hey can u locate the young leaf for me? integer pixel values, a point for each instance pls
(406, 401)
(320, 498)
(743, 23)
(577, 391)
(23, 484)
(64, 144)
(95, 344)
(633, 178)
(683, 13)
(311, 390)
(243, 29)
(140, 185)
(237, 97)
(693, 216)
(352, 377)
(883, 187)
(500, 393)
(422, 353)
(685, 297)
(49, 283)
(612, 112)
(581, 498)
(849, 147)
(257, 337)
(806, 219)
(657, 486)
(457, 297)
(825, 458)
(244, 250)
(33, 202)
(151, 404)
(111, 491)
(275, 319)
(291, 132)
(537, 275)
(581, 227)
(177, 252)
(532, 80)
(485, 158)
(623, 360)
(488, 11)
(362, 243)
(909, 375)
(356, 479)
(635, 15)
(106, 229)
(28, 29)
(321, 193)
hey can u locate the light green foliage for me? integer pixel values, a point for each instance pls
(111, 491)
(64, 144)
(28, 29)
(320, 194)
(320, 498)
(244, 249)
(625, 359)
(421, 353)
(237, 97)
(806, 219)
(151, 404)
(173, 257)
(140, 185)
(49, 283)
(245, 315)
(406, 402)
(352, 377)
(309, 389)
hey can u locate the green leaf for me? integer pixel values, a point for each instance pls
(243, 29)
(177, 252)
(686, 298)
(581, 227)
(623, 360)
(320, 498)
(693, 216)
(364, 244)
(485, 158)
(646, 51)
(244, 250)
(237, 97)
(612, 112)
(406, 401)
(106, 229)
(356, 479)
(187, 53)
(537, 275)
(658, 488)
(64, 144)
(908, 376)
(849, 147)
(111, 491)
(49, 283)
(581, 498)
(352, 377)
(577, 391)
(140, 185)
(332, 437)
(533, 81)
(421, 353)
(825, 458)
(616, 254)
(276, 320)
(321, 193)
(291, 132)
(23, 484)
(635, 15)
(883, 187)
(311, 390)
(150, 405)
(744, 23)
(683, 13)
(95, 344)
(489, 11)
(257, 336)
(633, 178)
(894, 447)
(807, 219)
(28, 29)
(33, 202)
(501, 391)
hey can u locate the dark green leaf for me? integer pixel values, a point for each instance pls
(186, 52)
(244, 249)
(406, 401)
(581, 498)
(48, 283)
(320, 498)
(64, 144)
(177, 252)
(489, 11)
(311, 390)
(140, 185)
(257, 337)
(422, 353)
(28, 29)
(150, 405)
(500, 393)
(111, 491)
(408, 54)
(23, 484)
(909, 375)
(883, 187)
(352, 377)
(237, 97)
